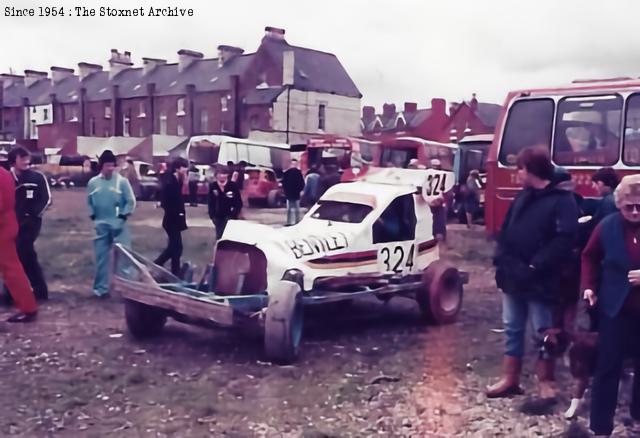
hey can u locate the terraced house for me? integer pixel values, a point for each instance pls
(280, 93)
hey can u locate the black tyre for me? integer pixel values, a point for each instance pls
(284, 322)
(440, 297)
(143, 321)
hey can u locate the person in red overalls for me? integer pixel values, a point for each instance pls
(10, 268)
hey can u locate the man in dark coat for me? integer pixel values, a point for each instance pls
(224, 201)
(293, 185)
(174, 221)
(33, 197)
(537, 236)
(328, 179)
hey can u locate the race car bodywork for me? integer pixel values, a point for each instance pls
(370, 237)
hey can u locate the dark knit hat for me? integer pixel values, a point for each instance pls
(107, 157)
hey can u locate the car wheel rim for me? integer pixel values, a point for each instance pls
(450, 293)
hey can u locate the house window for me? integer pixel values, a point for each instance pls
(223, 103)
(126, 125)
(141, 110)
(92, 126)
(74, 114)
(223, 126)
(141, 131)
(45, 114)
(107, 112)
(204, 121)
(34, 129)
(181, 111)
(163, 123)
(107, 133)
(180, 127)
(33, 110)
(322, 108)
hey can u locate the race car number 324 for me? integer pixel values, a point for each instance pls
(398, 257)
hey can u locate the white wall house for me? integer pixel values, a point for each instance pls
(35, 116)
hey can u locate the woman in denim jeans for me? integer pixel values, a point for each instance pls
(536, 239)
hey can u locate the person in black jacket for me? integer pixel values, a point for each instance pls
(293, 185)
(537, 237)
(33, 197)
(174, 221)
(225, 201)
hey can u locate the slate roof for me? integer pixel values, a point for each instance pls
(314, 71)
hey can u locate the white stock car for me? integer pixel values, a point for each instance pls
(370, 237)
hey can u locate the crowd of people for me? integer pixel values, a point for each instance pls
(555, 249)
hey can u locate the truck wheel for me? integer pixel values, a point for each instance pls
(273, 199)
(440, 297)
(143, 321)
(284, 322)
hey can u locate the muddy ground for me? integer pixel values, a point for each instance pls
(370, 369)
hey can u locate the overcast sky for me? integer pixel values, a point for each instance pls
(395, 51)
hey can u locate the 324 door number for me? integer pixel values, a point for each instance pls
(397, 258)
(436, 184)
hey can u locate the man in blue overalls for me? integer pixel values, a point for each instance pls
(111, 201)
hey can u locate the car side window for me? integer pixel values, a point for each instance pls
(397, 223)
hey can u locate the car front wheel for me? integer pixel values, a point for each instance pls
(284, 322)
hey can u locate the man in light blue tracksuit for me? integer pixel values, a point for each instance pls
(111, 201)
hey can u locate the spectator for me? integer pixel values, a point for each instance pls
(224, 201)
(111, 202)
(611, 278)
(33, 197)
(293, 185)
(174, 221)
(538, 233)
(330, 178)
(311, 184)
(193, 178)
(129, 172)
(11, 269)
(605, 181)
(471, 203)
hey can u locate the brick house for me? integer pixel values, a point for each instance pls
(470, 118)
(279, 93)
(411, 121)
(465, 118)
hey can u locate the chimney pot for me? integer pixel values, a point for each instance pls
(410, 107)
(186, 57)
(275, 33)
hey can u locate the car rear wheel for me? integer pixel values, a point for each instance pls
(440, 297)
(284, 322)
(143, 321)
(275, 199)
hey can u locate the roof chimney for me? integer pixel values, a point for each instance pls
(119, 62)
(368, 114)
(474, 102)
(60, 73)
(9, 79)
(187, 57)
(288, 63)
(388, 110)
(149, 64)
(410, 107)
(85, 69)
(33, 76)
(274, 33)
(438, 106)
(225, 53)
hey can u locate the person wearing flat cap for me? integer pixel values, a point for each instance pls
(610, 277)
(111, 202)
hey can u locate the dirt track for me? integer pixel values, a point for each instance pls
(369, 369)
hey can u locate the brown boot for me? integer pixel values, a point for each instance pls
(545, 371)
(510, 382)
